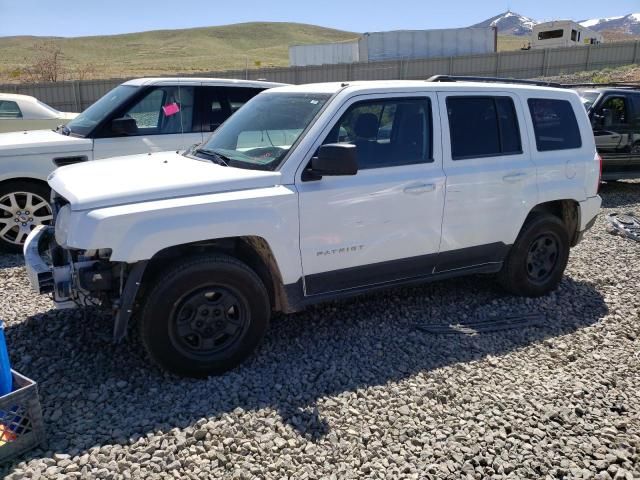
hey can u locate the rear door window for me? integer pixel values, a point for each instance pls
(483, 127)
(222, 102)
(635, 102)
(237, 97)
(554, 124)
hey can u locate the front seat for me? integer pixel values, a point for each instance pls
(366, 131)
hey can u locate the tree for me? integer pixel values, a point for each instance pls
(46, 64)
(84, 72)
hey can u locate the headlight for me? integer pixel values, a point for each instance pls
(62, 225)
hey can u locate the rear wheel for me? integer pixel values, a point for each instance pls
(537, 260)
(204, 316)
(23, 206)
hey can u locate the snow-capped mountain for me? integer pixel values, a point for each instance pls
(509, 23)
(626, 23)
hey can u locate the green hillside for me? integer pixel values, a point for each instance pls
(172, 51)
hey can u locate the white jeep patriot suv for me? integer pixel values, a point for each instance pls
(316, 192)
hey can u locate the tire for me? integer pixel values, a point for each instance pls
(538, 258)
(204, 315)
(24, 204)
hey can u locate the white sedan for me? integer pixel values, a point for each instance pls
(22, 112)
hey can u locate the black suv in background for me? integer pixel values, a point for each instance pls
(615, 117)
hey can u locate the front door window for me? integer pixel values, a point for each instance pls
(163, 111)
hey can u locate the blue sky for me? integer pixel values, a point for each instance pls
(95, 17)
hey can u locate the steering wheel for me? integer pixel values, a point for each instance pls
(265, 152)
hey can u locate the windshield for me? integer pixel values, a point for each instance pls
(588, 98)
(261, 133)
(87, 120)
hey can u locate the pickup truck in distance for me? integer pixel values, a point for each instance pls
(316, 192)
(615, 118)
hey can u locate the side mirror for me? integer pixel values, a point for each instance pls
(124, 126)
(335, 159)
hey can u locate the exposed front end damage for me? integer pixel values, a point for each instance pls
(81, 278)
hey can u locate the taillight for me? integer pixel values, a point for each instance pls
(599, 159)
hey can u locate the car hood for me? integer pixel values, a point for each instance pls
(40, 141)
(148, 177)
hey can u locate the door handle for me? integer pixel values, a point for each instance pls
(514, 177)
(418, 189)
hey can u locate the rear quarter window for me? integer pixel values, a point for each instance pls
(554, 124)
(9, 109)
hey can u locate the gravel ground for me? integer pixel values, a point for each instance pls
(356, 389)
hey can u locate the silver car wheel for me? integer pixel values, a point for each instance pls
(21, 212)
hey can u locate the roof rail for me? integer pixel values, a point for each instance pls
(452, 78)
(630, 86)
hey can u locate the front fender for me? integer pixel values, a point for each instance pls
(138, 231)
(35, 166)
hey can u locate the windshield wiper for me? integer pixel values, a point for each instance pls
(215, 156)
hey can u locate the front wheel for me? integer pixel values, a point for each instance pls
(204, 316)
(23, 206)
(538, 258)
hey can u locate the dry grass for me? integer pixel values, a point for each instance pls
(628, 73)
(171, 51)
(512, 42)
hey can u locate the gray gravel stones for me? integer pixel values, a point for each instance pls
(355, 389)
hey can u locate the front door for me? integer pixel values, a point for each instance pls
(612, 124)
(382, 224)
(164, 119)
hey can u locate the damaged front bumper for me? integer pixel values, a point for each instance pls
(52, 269)
(39, 271)
(81, 279)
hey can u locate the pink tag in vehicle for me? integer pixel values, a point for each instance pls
(171, 109)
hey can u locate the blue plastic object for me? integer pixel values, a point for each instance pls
(6, 380)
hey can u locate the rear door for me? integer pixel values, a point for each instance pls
(165, 120)
(612, 122)
(491, 179)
